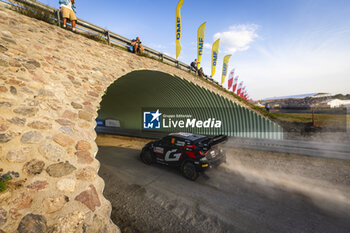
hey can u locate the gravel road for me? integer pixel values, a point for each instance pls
(254, 192)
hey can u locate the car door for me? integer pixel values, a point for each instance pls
(161, 148)
(174, 151)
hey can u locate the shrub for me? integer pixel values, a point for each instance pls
(4, 181)
(34, 12)
(95, 37)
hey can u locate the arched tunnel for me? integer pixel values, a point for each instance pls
(177, 99)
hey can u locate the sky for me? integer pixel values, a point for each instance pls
(278, 47)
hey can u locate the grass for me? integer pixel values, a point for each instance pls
(33, 12)
(321, 120)
(96, 37)
(293, 117)
(4, 182)
(119, 47)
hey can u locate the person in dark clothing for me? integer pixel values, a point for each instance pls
(267, 107)
(200, 72)
(136, 45)
(194, 65)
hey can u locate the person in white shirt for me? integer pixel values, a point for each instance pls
(68, 13)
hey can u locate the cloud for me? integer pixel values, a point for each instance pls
(157, 46)
(207, 46)
(301, 70)
(169, 54)
(237, 38)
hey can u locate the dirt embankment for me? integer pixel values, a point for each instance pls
(121, 141)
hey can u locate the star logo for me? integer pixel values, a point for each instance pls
(151, 120)
(156, 115)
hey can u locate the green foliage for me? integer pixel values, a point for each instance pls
(341, 97)
(4, 182)
(119, 47)
(95, 37)
(34, 12)
(322, 118)
(143, 54)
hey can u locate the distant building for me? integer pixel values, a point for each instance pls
(303, 101)
(302, 96)
(337, 103)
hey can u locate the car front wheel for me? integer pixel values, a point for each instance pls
(189, 171)
(146, 157)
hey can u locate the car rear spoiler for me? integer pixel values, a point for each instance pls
(217, 139)
(214, 141)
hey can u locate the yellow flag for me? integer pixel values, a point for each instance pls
(224, 68)
(178, 28)
(200, 43)
(214, 56)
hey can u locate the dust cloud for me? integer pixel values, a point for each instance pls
(328, 137)
(325, 182)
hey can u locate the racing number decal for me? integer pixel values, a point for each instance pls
(172, 156)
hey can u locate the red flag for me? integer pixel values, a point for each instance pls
(230, 79)
(239, 88)
(245, 96)
(242, 92)
(235, 84)
(229, 83)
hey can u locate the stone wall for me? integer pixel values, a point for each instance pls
(51, 84)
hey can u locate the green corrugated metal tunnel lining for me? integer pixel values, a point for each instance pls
(130, 94)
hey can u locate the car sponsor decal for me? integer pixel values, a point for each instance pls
(171, 155)
(180, 143)
(159, 150)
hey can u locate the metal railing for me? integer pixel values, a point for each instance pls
(111, 37)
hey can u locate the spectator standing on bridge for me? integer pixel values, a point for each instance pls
(68, 12)
(267, 107)
(136, 45)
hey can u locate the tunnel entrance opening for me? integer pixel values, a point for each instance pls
(182, 105)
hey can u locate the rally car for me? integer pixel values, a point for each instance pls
(192, 153)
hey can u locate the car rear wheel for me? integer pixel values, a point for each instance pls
(189, 171)
(146, 157)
